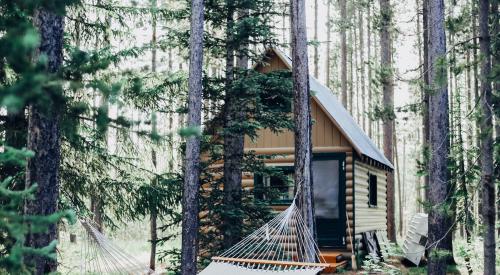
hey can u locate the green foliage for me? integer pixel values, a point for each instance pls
(15, 225)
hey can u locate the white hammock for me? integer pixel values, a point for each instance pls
(101, 256)
(284, 245)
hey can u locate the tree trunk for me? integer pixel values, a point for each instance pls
(465, 219)
(369, 58)
(398, 172)
(44, 140)
(487, 184)
(440, 224)
(343, 51)
(355, 47)
(362, 68)
(351, 67)
(234, 139)
(418, 187)
(388, 101)
(302, 115)
(153, 215)
(328, 42)
(495, 40)
(192, 160)
(316, 56)
(425, 97)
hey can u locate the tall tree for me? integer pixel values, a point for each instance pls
(418, 187)
(190, 193)
(328, 42)
(388, 101)
(302, 113)
(487, 183)
(440, 226)
(369, 56)
(316, 45)
(234, 138)
(153, 222)
(495, 41)
(343, 51)
(425, 95)
(44, 138)
(362, 66)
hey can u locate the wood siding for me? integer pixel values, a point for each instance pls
(324, 134)
(368, 218)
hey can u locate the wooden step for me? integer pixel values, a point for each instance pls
(332, 256)
(333, 268)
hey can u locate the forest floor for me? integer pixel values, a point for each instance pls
(133, 239)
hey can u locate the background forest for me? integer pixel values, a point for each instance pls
(94, 120)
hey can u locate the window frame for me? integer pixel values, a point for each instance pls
(371, 195)
(259, 181)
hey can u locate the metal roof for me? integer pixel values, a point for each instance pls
(340, 117)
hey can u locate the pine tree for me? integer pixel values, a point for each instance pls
(439, 220)
(44, 137)
(388, 101)
(343, 51)
(487, 183)
(302, 114)
(192, 159)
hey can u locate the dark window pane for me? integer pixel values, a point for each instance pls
(326, 188)
(372, 190)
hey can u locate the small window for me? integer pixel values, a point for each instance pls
(278, 189)
(372, 190)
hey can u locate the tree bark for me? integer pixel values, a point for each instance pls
(302, 115)
(234, 139)
(487, 183)
(343, 51)
(316, 56)
(44, 141)
(425, 96)
(398, 172)
(190, 194)
(362, 68)
(351, 66)
(328, 42)
(420, 181)
(495, 40)
(355, 50)
(440, 225)
(369, 56)
(388, 101)
(153, 225)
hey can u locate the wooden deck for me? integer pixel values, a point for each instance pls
(336, 259)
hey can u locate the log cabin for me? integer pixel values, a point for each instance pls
(349, 171)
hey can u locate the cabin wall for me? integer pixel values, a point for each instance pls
(368, 218)
(324, 134)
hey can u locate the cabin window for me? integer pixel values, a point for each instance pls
(372, 190)
(279, 189)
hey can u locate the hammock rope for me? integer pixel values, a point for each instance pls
(101, 256)
(284, 245)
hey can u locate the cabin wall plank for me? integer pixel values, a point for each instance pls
(369, 218)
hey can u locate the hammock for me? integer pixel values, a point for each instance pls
(100, 256)
(282, 246)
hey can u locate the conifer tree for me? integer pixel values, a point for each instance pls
(44, 135)
(487, 182)
(302, 115)
(192, 160)
(440, 224)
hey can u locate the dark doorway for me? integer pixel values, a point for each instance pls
(329, 199)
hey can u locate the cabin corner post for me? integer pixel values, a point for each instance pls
(353, 202)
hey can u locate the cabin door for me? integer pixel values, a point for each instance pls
(329, 199)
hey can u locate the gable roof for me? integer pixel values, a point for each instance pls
(340, 117)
